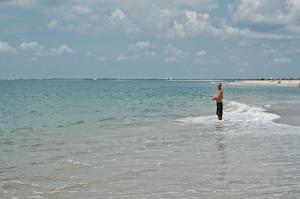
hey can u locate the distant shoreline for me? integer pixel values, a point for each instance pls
(293, 82)
(163, 79)
(270, 82)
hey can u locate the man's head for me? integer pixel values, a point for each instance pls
(219, 86)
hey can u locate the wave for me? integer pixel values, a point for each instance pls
(237, 114)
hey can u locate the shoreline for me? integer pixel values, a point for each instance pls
(294, 83)
(289, 115)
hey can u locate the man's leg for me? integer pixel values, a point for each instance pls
(220, 117)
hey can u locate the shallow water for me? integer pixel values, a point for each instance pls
(145, 139)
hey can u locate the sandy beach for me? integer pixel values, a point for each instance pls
(288, 114)
(272, 82)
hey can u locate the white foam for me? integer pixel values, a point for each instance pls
(243, 112)
(235, 113)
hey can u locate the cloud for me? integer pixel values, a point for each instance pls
(198, 60)
(201, 53)
(281, 60)
(21, 3)
(170, 59)
(4, 47)
(175, 52)
(121, 58)
(234, 57)
(31, 45)
(281, 15)
(100, 58)
(141, 45)
(195, 4)
(53, 24)
(270, 51)
(117, 14)
(171, 20)
(80, 10)
(145, 54)
(265, 45)
(266, 11)
(33, 59)
(88, 53)
(192, 25)
(244, 64)
(244, 43)
(232, 32)
(62, 50)
(160, 17)
(241, 70)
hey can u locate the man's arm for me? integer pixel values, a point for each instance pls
(219, 95)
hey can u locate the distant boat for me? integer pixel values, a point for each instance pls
(94, 78)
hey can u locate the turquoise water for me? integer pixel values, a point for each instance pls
(146, 139)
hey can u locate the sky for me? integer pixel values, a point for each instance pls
(132, 39)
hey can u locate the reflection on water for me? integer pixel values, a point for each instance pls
(222, 157)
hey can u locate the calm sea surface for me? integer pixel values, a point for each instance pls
(146, 139)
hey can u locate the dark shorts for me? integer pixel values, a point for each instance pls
(219, 108)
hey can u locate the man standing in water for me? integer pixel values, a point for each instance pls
(219, 98)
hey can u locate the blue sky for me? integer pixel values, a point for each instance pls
(149, 39)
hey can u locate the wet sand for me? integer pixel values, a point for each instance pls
(288, 114)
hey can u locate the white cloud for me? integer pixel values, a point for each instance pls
(266, 11)
(141, 45)
(100, 58)
(21, 3)
(175, 52)
(270, 51)
(177, 31)
(195, 4)
(234, 57)
(201, 53)
(282, 15)
(192, 25)
(244, 64)
(57, 25)
(199, 24)
(244, 43)
(117, 14)
(31, 45)
(160, 17)
(232, 32)
(88, 53)
(175, 19)
(53, 24)
(121, 58)
(80, 10)
(62, 50)
(198, 60)
(33, 59)
(281, 60)
(214, 62)
(70, 27)
(265, 45)
(4, 47)
(145, 54)
(170, 59)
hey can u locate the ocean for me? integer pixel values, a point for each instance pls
(147, 139)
